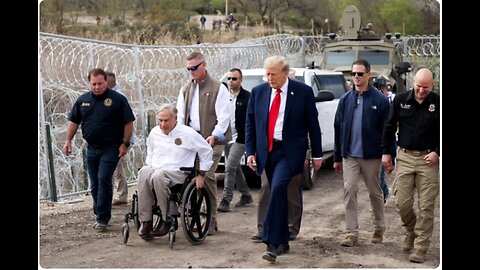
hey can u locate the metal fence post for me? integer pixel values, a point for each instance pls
(53, 185)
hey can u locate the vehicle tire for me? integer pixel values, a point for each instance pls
(308, 173)
(308, 177)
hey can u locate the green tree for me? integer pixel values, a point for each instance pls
(403, 16)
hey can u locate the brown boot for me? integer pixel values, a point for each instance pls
(417, 256)
(162, 228)
(145, 229)
(350, 241)
(377, 236)
(408, 241)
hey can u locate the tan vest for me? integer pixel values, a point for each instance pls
(208, 92)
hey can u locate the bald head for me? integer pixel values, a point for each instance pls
(423, 84)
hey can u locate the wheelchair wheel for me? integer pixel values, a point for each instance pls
(125, 233)
(196, 213)
(136, 221)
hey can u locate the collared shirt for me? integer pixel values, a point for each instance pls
(177, 149)
(277, 134)
(418, 124)
(221, 109)
(232, 107)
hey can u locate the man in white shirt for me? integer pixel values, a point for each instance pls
(169, 147)
(203, 105)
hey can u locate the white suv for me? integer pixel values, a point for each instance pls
(328, 87)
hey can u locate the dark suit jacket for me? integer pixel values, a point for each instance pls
(300, 120)
(241, 114)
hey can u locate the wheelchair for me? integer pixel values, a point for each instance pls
(194, 206)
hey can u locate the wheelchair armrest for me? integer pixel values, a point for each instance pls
(187, 169)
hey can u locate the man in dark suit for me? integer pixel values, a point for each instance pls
(280, 115)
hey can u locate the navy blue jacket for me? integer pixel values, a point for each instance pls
(375, 112)
(300, 120)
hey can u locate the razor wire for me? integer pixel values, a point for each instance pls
(150, 76)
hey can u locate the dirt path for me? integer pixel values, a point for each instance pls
(67, 239)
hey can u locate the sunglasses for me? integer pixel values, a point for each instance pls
(360, 74)
(232, 78)
(194, 67)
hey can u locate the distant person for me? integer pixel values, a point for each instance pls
(349, 84)
(202, 21)
(119, 175)
(107, 126)
(358, 128)
(281, 115)
(162, 169)
(417, 115)
(381, 84)
(235, 149)
(203, 105)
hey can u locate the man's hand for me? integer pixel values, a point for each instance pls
(211, 140)
(122, 150)
(431, 158)
(199, 181)
(67, 148)
(317, 164)
(387, 163)
(338, 166)
(252, 163)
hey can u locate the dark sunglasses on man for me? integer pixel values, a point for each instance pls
(194, 67)
(232, 78)
(360, 74)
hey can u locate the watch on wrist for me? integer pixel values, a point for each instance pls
(202, 173)
(127, 144)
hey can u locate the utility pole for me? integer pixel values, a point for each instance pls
(226, 7)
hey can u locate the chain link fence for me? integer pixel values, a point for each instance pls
(149, 76)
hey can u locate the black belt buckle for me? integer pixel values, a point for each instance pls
(277, 143)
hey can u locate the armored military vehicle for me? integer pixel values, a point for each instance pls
(357, 42)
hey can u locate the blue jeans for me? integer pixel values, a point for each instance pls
(233, 171)
(383, 177)
(383, 183)
(101, 163)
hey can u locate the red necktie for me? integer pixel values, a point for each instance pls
(272, 118)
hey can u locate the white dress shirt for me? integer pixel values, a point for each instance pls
(277, 133)
(177, 149)
(221, 108)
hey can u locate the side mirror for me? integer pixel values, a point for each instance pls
(324, 95)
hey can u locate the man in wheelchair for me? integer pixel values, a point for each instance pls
(169, 147)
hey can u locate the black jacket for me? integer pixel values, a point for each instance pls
(241, 114)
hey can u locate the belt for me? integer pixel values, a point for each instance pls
(415, 152)
(277, 143)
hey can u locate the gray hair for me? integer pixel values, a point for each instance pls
(170, 107)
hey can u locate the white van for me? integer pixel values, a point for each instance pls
(328, 86)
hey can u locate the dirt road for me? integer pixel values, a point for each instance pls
(67, 239)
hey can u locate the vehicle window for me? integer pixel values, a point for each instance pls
(334, 83)
(376, 57)
(340, 57)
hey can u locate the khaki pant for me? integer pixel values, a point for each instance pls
(158, 181)
(355, 169)
(295, 202)
(211, 181)
(413, 173)
(119, 177)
